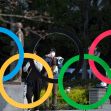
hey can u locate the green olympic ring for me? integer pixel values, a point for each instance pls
(69, 100)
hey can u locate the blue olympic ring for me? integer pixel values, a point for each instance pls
(21, 52)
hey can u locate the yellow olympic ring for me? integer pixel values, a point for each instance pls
(21, 105)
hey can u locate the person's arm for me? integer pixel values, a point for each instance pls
(48, 55)
(26, 67)
(38, 65)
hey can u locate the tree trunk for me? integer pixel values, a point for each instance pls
(13, 52)
(86, 18)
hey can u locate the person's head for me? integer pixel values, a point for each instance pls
(53, 52)
(19, 25)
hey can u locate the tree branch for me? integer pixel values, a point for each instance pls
(8, 22)
(40, 17)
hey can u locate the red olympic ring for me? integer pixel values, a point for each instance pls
(91, 51)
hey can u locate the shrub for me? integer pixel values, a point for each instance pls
(79, 95)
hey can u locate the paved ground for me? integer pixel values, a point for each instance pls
(16, 93)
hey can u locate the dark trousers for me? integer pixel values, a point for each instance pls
(33, 90)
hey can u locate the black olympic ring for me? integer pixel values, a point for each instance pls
(78, 45)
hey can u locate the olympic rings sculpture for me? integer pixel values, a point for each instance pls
(50, 74)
